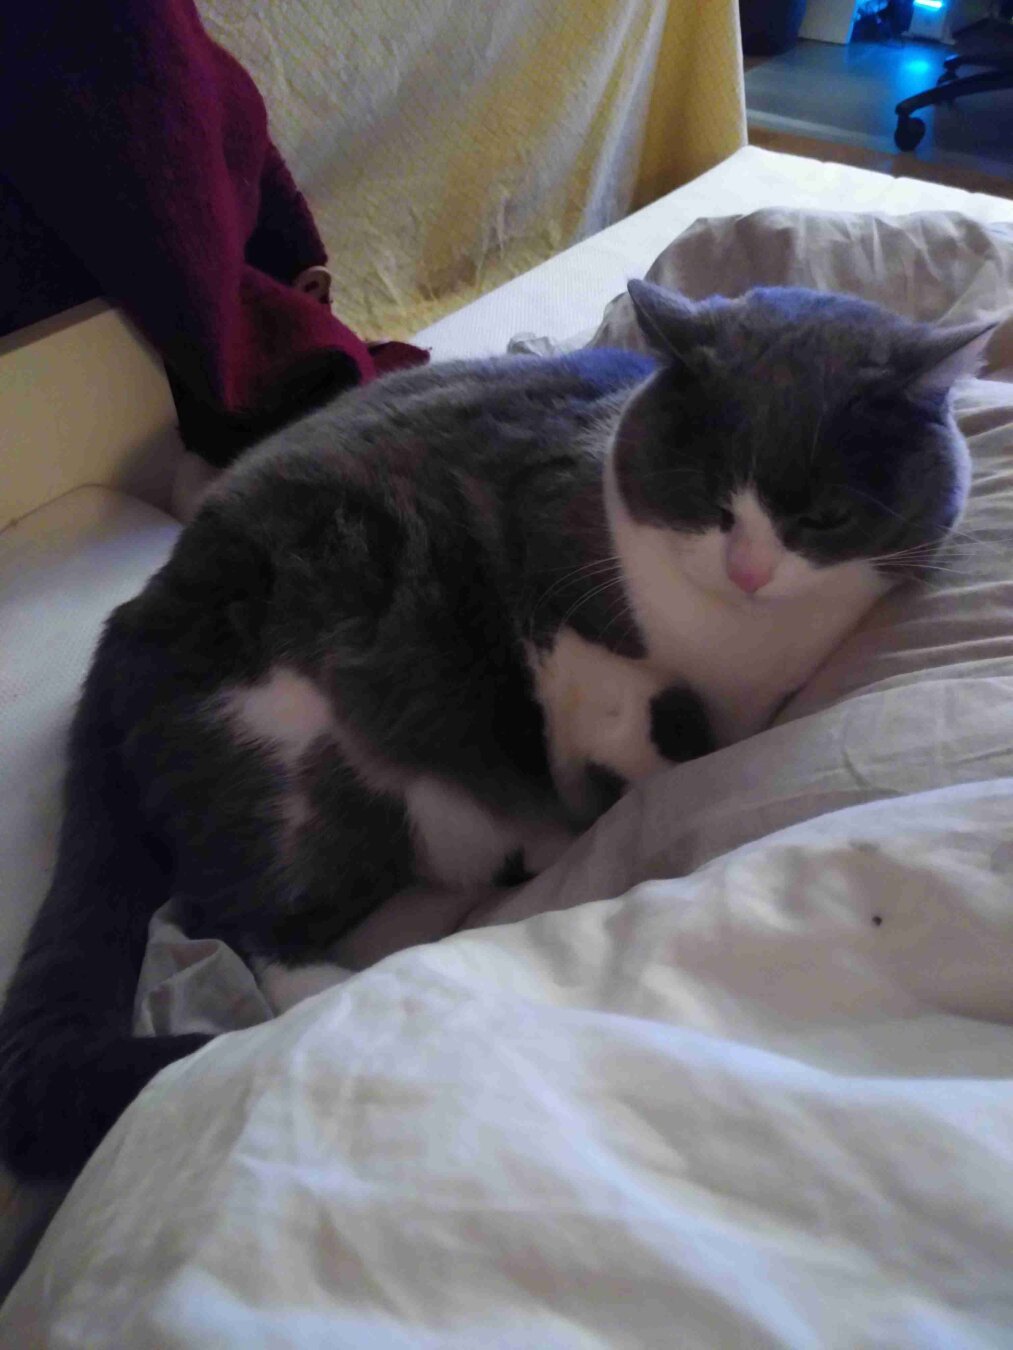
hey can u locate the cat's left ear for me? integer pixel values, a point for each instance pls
(671, 324)
(951, 354)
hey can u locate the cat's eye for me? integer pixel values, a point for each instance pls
(830, 519)
(725, 520)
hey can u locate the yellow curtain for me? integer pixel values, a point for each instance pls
(446, 145)
(697, 113)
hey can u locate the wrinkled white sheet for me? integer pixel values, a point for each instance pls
(768, 1104)
(920, 696)
(566, 295)
(763, 1099)
(931, 266)
(768, 1101)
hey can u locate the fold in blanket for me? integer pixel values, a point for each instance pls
(136, 164)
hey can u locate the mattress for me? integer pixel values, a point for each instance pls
(565, 296)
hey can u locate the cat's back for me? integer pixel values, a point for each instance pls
(460, 413)
(408, 473)
(512, 387)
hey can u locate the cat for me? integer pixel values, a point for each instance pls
(423, 637)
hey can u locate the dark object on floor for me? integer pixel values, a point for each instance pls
(882, 21)
(770, 27)
(996, 72)
(900, 14)
(135, 164)
(871, 26)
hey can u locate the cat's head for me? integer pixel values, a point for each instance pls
(789, 432)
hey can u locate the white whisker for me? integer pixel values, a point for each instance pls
(588, 569)
(598, 590)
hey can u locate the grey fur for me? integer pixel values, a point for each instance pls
(398, 549)
(830, 407)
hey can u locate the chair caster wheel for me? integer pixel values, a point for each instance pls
(909, 133)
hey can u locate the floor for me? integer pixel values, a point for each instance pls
(844, 96)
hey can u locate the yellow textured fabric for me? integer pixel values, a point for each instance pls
(697, 113)
(446, 145)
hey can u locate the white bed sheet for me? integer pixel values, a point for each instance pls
(768, 1104)
(728, 1109)
(566, 295)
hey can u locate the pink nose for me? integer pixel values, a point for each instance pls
(748, 577)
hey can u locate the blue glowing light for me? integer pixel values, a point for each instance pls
(929, 4)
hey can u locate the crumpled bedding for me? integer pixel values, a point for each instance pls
(930, 266)
(738, 1070)
(914, 699)
(934, 265)
(770, 1103)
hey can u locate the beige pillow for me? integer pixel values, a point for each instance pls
(934, 266)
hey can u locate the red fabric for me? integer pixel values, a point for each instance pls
(143, 146)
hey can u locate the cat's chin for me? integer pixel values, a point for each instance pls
(795, 583)
(769, 597)
(799, 581)
(780, 592)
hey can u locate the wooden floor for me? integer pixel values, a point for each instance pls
(837, 102)
(896, 164)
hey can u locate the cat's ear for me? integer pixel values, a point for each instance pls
(950, 354)
(671, 324)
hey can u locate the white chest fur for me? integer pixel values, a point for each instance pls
(742, 655)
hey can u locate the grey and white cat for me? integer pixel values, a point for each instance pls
(423, 637)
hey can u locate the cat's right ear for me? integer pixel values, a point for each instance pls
(671, 325)
(950, 354)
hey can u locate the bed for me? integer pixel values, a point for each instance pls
(738, 1070)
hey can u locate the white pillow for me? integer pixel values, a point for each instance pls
(931, 266)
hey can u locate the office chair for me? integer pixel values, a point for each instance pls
(996, 73)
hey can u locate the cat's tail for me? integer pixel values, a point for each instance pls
(68, 1062)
